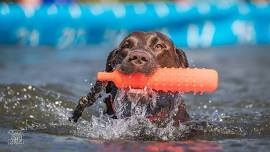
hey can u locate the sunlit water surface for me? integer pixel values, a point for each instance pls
(39, 87)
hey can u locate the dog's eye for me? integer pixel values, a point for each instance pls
(159, 46)
(126, 45)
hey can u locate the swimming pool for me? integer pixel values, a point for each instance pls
(40, 86)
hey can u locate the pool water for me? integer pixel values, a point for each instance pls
(39, 87)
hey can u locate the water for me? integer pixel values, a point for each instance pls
(39, 87)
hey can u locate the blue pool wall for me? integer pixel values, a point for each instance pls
(198, 25)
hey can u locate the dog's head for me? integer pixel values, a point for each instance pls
(143, 52)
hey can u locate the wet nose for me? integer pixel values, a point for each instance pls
(138, 58)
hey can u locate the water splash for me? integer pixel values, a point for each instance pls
(135, 127)
(34, 109)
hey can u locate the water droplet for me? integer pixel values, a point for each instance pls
(29, 87)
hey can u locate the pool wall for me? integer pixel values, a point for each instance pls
(198, 25)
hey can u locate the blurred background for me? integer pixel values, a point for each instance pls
(65, 23)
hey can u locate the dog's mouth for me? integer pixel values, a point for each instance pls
(145, 95)
(129, 69)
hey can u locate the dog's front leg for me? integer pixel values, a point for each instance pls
(88, 100)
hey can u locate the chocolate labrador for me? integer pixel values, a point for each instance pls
(140, 52)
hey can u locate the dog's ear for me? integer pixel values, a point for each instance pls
(112, 60)
(182, 59)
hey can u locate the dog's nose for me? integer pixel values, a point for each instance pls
(138, 58)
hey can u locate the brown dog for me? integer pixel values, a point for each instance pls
(140, 52)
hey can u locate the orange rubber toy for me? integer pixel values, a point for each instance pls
(167, 79)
